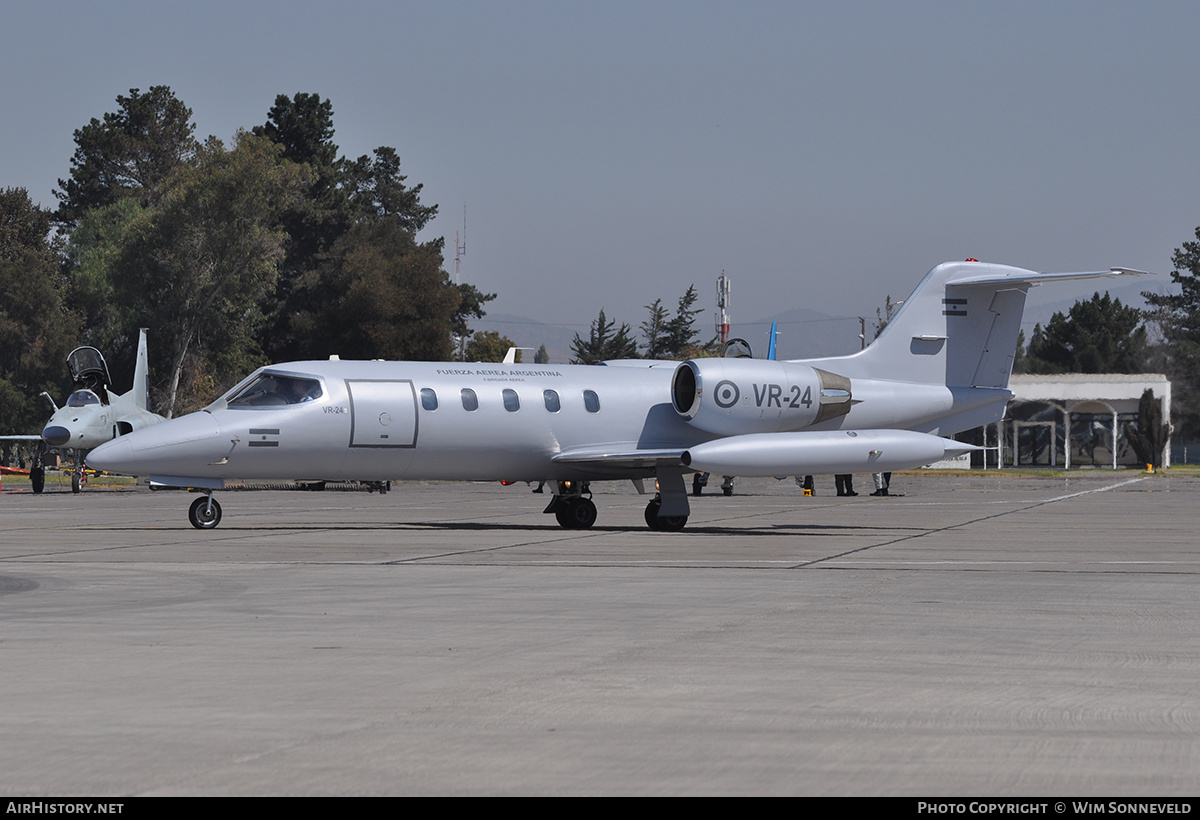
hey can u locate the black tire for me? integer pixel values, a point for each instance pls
(651, 514)
(669, 523)
(76, 484)
(200, 516)
(672, 523)
(727, 490)
(37, 478)
(579, 514)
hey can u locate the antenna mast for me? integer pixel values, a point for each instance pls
(723, 307)
(460, 248)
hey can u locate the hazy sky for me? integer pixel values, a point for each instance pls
(823, 155)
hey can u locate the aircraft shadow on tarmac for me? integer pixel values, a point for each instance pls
(812, 530)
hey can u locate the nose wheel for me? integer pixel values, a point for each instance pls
(205, 512)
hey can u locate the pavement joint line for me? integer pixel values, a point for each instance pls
(1022, 508)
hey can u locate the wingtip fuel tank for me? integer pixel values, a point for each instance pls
(817, 452)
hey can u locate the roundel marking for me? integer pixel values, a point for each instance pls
(726, 394)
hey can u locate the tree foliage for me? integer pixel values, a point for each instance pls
(195, 269)
(1149, 436)
(37, 330)
(382, 296)
(603, 343)
(275, 248)
(132, 152)
(1177, 318)
(1098, 335)
(676, 337)
(489, 346)
(343, 197)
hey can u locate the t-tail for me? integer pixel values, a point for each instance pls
(959, 328)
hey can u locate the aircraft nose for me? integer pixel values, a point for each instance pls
(114, 456)
(183, 446)
(56, 436)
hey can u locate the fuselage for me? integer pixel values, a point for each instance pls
(378, 420)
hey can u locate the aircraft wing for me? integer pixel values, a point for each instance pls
(620, 454)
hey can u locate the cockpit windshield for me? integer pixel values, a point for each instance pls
(82, 398)
(276, 389)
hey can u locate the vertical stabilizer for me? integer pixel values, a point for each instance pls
(141, 374)
(958, 328)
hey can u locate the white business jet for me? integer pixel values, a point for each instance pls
(941, 366)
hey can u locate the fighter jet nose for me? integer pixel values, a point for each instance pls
(56, 436)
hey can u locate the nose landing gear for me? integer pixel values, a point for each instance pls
(205, 512)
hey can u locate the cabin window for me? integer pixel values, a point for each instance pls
(469, 399)
(551, 399)
(274, 389)
(428, 398)
(512, 403)
(591, 401)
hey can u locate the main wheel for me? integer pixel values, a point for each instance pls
(37, 478)
(578, 514)
(201, 516)
(667, 523)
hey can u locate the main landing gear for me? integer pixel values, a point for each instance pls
(205, 512)
(573, 511)
(37, 470)
(663, 523)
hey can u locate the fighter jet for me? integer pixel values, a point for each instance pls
(93, 414)
(941, 366)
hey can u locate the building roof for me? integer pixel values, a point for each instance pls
(1089, 387)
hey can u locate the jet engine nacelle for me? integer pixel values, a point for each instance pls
(734, 396)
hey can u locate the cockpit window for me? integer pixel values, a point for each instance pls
(82, 398)
(274, 389)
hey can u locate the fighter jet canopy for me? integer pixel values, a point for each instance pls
(87, 367)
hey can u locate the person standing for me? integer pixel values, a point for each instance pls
(844, 483)
(882, 481)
